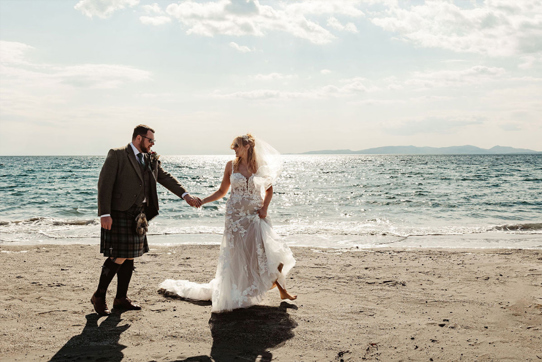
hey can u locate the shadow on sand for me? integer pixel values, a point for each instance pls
(95, 343)
(171, 295)
(246, 334)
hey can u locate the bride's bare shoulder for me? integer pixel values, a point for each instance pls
(229, 166)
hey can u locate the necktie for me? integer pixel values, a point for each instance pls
(140, 158)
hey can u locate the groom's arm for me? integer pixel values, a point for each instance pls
(172, 184)
(169, 182)
(106, 181)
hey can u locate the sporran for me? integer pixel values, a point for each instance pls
(141, 224)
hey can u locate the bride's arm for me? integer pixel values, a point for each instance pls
(266, 201)
(224, 186)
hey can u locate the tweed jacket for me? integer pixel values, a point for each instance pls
(121, 182)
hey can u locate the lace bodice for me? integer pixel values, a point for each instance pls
(244, 192)
(241, 184)
(242, 206)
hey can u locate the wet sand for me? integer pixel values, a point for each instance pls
(376, 304)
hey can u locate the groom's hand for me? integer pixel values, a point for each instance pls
(193, 201)
(106, 222)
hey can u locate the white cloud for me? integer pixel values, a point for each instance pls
(430, 98)
(336, 24)
(98, 75)
(495, 28)
(356, 85)
(258, 94)
(241, 48)
(491, 27)
(95, 76)
(453, 78)
(249, 17)
(380, 102)
(274, 76)
(529, 61)
(323, 7)
(155, 20)
(242, 7)
(354, 90)
(349, 88)
(351, 28)
(13, 52)
(103, 8)
(30, 88)
(418, 81)
(153, 9)
(510, 127)
(431, 125)
(325, 71)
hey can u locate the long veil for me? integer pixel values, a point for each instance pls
(269, 163)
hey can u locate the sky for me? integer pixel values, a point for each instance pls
(77, 76)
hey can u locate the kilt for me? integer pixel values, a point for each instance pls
(122, 241)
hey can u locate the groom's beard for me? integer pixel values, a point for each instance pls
(144, 149)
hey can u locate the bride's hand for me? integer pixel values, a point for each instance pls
(262, 213)
(193, 201)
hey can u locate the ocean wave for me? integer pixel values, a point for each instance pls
(519, 227)
(64, 236)
(373, 228)
(89, 228)
(50, 221)
(334, 230)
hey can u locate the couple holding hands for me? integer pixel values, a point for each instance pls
(252, 259)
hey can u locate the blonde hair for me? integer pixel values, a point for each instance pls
(247, 139)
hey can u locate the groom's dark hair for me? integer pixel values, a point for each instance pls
(141, 130)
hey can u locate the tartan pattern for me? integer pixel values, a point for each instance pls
(122, 241)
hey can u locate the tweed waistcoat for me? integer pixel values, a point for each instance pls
(146, 194)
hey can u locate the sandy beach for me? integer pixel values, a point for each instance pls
(377, 304)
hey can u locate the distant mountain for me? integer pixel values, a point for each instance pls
(413, 150)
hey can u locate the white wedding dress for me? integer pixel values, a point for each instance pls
(250, 253)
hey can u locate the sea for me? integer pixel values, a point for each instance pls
(324, 201)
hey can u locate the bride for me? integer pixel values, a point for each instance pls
(252, 259)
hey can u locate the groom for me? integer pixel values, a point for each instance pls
(127, 187)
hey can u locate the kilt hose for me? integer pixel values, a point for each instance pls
(122, 241)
